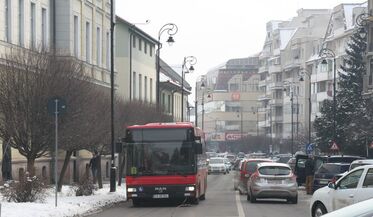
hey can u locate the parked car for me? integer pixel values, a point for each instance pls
(328, 172)
(354, 164)
(353, 187)
(319, 160)
(217, 165)
(248, 167)
(361, 209)
(272, 180)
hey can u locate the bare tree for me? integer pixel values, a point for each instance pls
(28, 79)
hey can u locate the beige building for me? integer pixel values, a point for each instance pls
(227, 103)
(80, 28)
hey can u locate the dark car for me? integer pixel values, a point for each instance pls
(248, 167)
(327, 173)
(319, 160)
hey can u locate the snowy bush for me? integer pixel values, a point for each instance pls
(85, 187)
(28, 189)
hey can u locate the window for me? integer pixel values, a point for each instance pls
(98, 46)
(32, 26)
(169, 103)
(88, 42)
(76, 36)
(140, 86)
(368, 181)
(151, 89)
(134, 41)
(145, 88)
(351, 180)
(21, 28)
(108, 47)
(151, 50)
(134, 85)
(140, 44)
(8, 21)
(321, 86)
(145, 48)
(44, 30)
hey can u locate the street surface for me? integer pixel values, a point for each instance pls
(221, 200)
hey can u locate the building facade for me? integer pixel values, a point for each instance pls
(78, 28)
(226, 101)
(135, 61)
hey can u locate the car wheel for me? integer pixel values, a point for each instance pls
(225, 173)
(319, 210)
(203, 197)
(293, 200)
(248, 197)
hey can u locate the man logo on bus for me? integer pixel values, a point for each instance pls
(160, 189)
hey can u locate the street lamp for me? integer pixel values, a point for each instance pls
(328, 53)
(305, 72)
(240, 114)
(361, 22)
(202, 103)
(112, 168)
(291, 86)
(190, 60)
(171, 30)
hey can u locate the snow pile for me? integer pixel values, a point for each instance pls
(67, 203)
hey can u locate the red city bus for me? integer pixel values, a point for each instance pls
(165, 161)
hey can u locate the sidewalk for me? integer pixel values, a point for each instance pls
(68, 205)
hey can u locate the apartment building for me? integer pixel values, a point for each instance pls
(79, 28)
(368, 80)
(287, 46)
(290, 52)
(227, 102)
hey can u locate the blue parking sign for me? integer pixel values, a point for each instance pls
(309, 148)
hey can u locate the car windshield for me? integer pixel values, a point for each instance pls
(162, 158)
(333, 168)
(274, 170)
(251, 166)
(353, 166)
(216, 161)
(342, 159)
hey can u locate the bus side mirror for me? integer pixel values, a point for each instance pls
(198, 148)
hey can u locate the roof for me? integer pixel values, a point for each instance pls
(170, 75)
(133, 28)
(162, 125)
(266, 164)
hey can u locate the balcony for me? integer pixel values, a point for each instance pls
(277, 118)
(264, 124)
(263, 69)
(278, 85)
(276, 102)
(262, 83)
(274, 68)
(264, 97)
(321, 76)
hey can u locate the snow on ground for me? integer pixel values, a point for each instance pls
(68, 205)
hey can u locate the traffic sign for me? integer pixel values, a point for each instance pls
(334, 147)
(309, 148)
(56, 104)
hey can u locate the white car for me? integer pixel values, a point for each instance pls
(217, 165)
(353, 187)
(361, 209)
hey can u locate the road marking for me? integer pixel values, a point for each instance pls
(239, 205)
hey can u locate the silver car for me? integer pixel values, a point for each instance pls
(272, 180)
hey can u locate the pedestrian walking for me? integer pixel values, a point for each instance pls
(309, 172)
(93, 164)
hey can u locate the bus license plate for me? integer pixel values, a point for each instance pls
(160, 196)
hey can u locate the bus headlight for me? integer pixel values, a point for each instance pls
(131, 190)
(190, 188)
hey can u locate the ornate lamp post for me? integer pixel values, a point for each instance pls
(189, 60)
(305, 72)
(328, 53)
(171, 30)
(291, 87)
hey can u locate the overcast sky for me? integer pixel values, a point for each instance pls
(213, 31)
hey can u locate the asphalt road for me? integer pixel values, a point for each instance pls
(221, 200)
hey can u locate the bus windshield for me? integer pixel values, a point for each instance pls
(161, 158)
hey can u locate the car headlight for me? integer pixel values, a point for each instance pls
(131, 190)
(190, 188)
